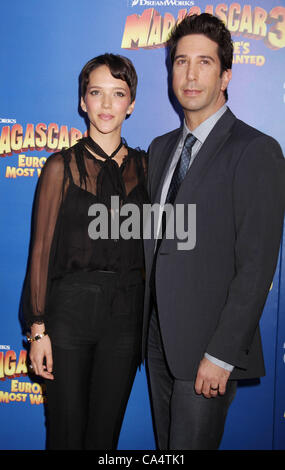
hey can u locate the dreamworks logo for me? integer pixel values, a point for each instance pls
(7, 121)
(161, 3)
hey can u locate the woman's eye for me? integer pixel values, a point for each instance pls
(94, 92)
(120, 94)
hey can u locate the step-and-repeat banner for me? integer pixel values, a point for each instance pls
(43, 48)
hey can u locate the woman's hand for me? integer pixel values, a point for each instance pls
(41, 354)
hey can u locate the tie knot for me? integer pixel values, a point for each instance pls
(189, 141)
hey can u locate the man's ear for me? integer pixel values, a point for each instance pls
(226, 78)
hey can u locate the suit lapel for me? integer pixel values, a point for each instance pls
(211, 147)
(209, 150)
(206, 156)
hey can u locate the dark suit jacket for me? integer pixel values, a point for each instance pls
(210, 298)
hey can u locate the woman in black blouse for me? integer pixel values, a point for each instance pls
(83, 298)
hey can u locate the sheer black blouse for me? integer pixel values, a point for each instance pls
(71, 181)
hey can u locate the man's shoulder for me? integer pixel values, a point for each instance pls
(254, 148)
(167, 137)
(246, 133)
(244, 129)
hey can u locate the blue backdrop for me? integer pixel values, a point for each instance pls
(43, 48)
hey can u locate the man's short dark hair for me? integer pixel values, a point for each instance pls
(120, 67)
(211, 27)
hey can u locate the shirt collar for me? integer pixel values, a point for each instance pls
(203, 130)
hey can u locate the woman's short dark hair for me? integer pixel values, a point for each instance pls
(120, 67)
(213, 28)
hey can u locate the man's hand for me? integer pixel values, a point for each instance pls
(211, 379)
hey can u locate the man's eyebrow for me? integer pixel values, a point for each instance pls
(207, 57)
(180, 56)
(183, 56)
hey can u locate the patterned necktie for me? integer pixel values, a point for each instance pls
(181, 168)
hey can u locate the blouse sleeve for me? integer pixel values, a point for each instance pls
(47, 204)
(145, 164)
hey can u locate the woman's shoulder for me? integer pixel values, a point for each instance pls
(137, 153)
(56, 163)
(141, 160)
(58, 159)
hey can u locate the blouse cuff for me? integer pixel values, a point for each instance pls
(36, 319)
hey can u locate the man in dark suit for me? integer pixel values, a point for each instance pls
(203, 305)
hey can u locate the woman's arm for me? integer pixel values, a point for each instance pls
(47, 204)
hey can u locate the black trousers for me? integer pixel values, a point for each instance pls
(95, 329)
(183, 419)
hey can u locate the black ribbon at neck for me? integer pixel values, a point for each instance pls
(89, 142)
(109, 179)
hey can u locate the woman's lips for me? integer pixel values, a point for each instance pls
(106, 117)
